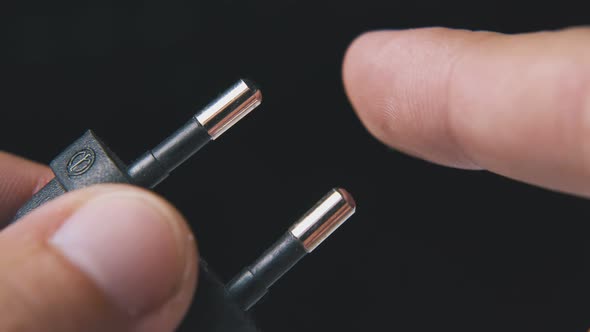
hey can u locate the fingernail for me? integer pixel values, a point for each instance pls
(129, 246)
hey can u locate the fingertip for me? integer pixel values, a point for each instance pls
(362, 69)
(360, 61)
(108, 257)
(397, 80)
(131, 244)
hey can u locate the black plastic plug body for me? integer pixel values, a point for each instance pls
(213, 310)
(217, 307)
(88, 161)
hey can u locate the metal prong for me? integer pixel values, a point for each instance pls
(324, 218)
(250, 285)
(229, 108)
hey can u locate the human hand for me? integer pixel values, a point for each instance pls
(105, 258)
(517, 105)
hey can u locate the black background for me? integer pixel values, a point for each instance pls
(430, 248)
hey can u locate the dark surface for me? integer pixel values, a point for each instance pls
(430, 248)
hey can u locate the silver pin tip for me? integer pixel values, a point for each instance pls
(324, 218)
(230, 107)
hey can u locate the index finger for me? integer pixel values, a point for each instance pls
(518, 105)
(19, 180)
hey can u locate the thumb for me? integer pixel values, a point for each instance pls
(105, 258)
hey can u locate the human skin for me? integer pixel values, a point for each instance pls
(119, 258)
(517, 105)
(105, 258)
